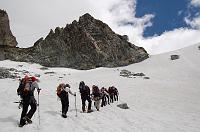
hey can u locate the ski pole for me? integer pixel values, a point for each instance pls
(38, 107)
(17, 102)
(75, 105)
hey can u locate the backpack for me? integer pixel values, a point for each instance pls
(23, 90)
(82, 87)
(20, 89)
(110, 90)
(59, 90)
(95, 91)
(115, 90)
(87, 90)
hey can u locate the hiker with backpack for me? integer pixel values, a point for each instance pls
(111, 93)
(105, 97)
(62, 92)
(26, 91)
(116, 93)
(96, 96)
(85, 95)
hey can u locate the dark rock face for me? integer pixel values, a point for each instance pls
(174, 57)
(6, 73)
(129, 74)
(6, 37)
(86, 44)
(123, 106)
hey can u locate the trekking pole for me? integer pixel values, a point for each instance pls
(38, 106)
(118, 98)
(75, 105)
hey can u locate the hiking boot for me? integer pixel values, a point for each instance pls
(89, 111)
(27, 119)
(64, 116)
(21, 125)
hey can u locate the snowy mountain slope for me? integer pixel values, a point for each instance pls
(167, 102)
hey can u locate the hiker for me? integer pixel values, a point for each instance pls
(85, 95)
(111, 93)
(116, 93)
(62, 92)
(105, 97)
(96, 96)
(26, 91)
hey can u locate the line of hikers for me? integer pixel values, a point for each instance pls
(27, 86)
(102, 96)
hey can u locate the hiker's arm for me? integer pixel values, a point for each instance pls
(35, 85)
(72, 93)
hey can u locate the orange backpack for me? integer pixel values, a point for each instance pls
(59, 89)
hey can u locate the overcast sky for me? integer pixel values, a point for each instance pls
(157, 25)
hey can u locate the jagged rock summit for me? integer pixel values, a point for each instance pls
(6, 37)
(84, 44)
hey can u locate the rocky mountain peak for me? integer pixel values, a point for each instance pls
(6, 37)
(86, 17)
(3, 13)
(84, 44)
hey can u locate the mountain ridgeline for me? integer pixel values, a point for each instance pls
(84, 44)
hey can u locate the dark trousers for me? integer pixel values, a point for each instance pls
(108, 99)
(111, 98)
(65, 105)
(115, 97)
(26, 103)
(84, 98)
(103, 102)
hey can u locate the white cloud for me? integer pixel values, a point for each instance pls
(168, 41)
(120, 16)
(195, 3)
(194, 23)
(171, 40)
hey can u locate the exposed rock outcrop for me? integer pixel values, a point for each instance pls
(84, 44)
(6, 73)
(6, 37)
(174, 57)
(123, 106)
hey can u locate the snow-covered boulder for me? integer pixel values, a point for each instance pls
(174, 57)
(123, 106)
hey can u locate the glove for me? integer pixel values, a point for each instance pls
(74, 94)
(38, 90)
(67, 85)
